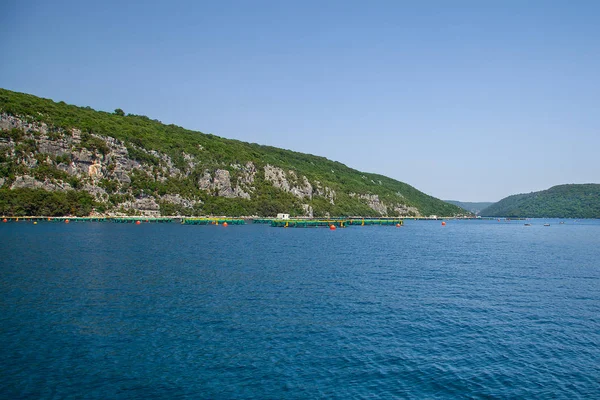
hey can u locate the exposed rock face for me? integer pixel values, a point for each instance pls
(277, 177)
(29, 182)
(95, 171)
(326, 192)
(53, 147)
(190, 161)
(177, 199)
(374, 202)
(221, 184)
(145, 205)
(406, 210)
(247, 174)
(205, 182)
(96, 191)
(115, 172)
(8, 122)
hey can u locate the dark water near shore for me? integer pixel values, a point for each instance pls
(475, 309)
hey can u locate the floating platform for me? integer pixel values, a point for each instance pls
(133, 220)
(262, 220)
(375, 221)
(338, 223)
(213, 221)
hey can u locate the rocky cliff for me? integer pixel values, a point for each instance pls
(131, 173)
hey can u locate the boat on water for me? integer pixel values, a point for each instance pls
(546, 224)
(527, 224)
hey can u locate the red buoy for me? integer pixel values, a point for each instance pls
(4, 220)
(443, 223)
(398, 225)
(225, 224)
(332, 227)
(137, 222)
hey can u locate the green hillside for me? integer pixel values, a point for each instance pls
(563, 201)
(47, 145)
(472, 207)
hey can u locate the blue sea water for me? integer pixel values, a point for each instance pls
(474, 309)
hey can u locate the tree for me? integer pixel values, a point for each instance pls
(120, 112)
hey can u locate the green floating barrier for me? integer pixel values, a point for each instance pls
(339, 223)
(213, 221)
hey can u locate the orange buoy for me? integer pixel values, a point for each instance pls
(398, 225)
(138, 222)
(225, 224)
(332, 227)
(443, 223)
(66, 221)
(49, 219)
(35, 222)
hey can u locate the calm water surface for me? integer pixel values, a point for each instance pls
(475, 309)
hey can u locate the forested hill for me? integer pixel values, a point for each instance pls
(82, 160)
(472, 207)
(563, 201)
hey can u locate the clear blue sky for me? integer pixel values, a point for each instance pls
(465, 100)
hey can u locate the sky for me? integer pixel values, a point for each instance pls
(464, 100)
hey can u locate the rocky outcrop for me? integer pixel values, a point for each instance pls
(277, 177)
(53, 147)
(374, 203)
(325, 191)
(300, 188)
(407, 210)
(220, 184)
(146, 206)
(29, 182)
(96, 191)
(177, 199)
(130, 179)
(8, 122)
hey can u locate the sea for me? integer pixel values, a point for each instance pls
(473, 309)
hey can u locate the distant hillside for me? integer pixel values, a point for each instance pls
(563, 201)
(58, 159)
(472, 207)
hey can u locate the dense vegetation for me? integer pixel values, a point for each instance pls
(563, 201)
(140, 132)
(22, 202)
(472, 207)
